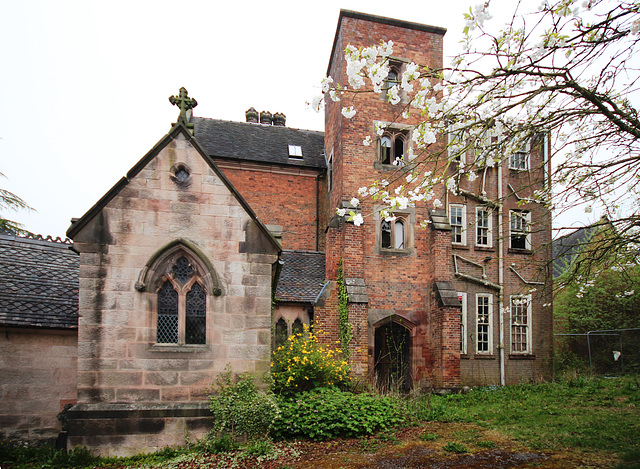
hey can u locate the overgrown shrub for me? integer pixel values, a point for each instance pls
(303, 364)
(239, 408)
(325, 413)
(45, 456)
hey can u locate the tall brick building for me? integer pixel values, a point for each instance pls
(224, 239)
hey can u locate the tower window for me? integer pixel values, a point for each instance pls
(392, 148)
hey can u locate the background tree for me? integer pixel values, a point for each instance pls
(11, 202)
(565, 72)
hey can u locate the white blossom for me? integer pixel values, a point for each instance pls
(341, 212)
(367, 141)
(357, 219)
(326, 84)
(348, 112)
(354, 202)
(362, 192)
(437, 204)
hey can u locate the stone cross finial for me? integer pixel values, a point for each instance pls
(185, 103)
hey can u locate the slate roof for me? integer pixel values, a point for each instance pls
(567, 247)
(302, 276)
(259, 142)
(38, 283)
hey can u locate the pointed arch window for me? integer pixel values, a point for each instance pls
(182, 306)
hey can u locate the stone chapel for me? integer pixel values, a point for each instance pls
(223, 240)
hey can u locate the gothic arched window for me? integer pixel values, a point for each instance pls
(182, 306)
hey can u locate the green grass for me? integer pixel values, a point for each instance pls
(599, 414)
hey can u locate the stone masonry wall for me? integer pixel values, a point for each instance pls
(38, 378)
(118, 358)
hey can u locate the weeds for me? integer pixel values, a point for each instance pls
(457, 448)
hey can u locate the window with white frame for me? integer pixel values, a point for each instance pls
(462, 296)
(458, 222)
(483, 227)
(520, 324)
(393, 233)
(519, 160)
(519, 229)
(484, 317)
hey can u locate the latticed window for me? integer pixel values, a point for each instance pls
(483, 322)
(520, 324)
(167, 314)
(182, 306)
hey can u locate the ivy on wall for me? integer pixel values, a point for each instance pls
(346, 334)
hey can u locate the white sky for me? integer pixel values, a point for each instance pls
(84, 86)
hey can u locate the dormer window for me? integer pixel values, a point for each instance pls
(295, 152)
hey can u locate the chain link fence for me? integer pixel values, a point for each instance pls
(602, 352)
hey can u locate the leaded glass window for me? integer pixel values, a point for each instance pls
(182, 270)
(297, 327)
(182, 305)
(195, 330)
(281, 332)
(167, 315)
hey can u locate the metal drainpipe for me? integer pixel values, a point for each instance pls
(501, 277)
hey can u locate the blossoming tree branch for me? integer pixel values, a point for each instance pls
(564, 72)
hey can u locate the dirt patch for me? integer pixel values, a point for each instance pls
(435, 445)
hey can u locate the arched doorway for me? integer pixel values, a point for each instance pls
(392, 357)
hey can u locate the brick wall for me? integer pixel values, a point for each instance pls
(284, 196)
(400, 284)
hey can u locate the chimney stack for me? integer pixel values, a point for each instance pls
(252, 115)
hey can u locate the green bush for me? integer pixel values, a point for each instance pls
(239, 408)
(44, 456)
(324, 414)
(302, 364)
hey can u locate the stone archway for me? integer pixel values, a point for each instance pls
(392, 365)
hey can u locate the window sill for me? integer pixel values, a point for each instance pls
(395, 252)
(519, 171)
(173, 348)
(388, 167)
(463, 247)
(484, 356)
(484, 248)
(522, 356)
(464, 356)
(520, 251)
